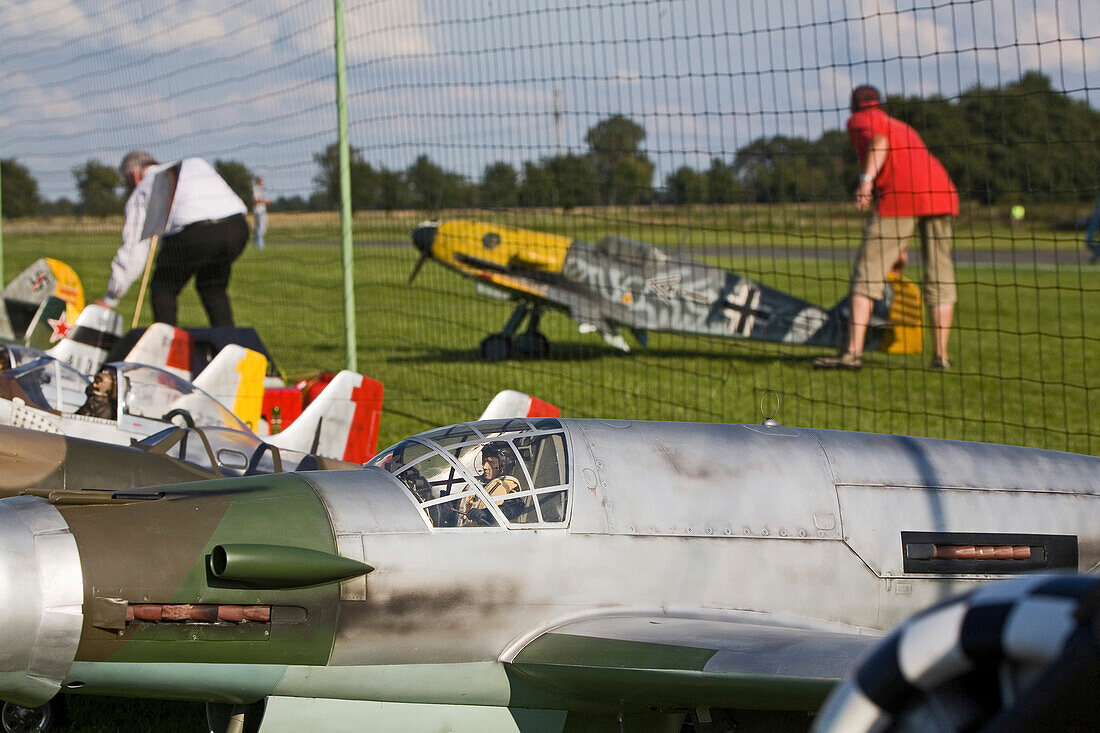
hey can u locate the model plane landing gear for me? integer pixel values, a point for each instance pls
(531, 343)
(48, 717)
(496, 347)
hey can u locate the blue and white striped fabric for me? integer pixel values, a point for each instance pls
(943, 668)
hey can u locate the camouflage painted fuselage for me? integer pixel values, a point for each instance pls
(674, 542)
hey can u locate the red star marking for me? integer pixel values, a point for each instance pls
(60, 326)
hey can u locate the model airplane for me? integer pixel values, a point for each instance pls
(621, 283)
(263, 401)
(55, 466)
(40, 304)
(588, 574)
(82, 344)
(1018, 655)
(130, 401)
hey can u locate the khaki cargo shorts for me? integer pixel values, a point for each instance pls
(886, 237)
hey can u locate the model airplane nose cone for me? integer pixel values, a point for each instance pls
(424, 237)
(41, 595)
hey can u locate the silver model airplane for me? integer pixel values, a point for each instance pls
(526, 574)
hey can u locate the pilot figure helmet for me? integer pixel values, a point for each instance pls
(502, 456)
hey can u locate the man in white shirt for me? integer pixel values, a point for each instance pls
(259, 209)
(206, 231)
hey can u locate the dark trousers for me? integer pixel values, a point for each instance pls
(205, 250)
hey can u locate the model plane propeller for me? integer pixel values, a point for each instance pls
(624, 284)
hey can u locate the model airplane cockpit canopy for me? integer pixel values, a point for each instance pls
(139, 397)
(149, 392)
(47, 383)
(507, 473)
(229, 452)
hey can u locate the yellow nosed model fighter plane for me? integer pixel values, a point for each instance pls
(620, 283)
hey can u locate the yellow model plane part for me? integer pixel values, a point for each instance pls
(250, 394)
(502, 246)
(907, 317)
(69, 288)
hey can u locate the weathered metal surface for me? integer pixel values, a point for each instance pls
(753, 550)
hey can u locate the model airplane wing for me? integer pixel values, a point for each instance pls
(672, 660)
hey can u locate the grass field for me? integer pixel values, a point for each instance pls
(1022, 347)
(1025, 348)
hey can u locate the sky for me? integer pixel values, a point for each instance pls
(472, 82)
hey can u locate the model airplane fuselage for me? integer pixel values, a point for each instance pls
(528, 573)
(52, 465)
(621, 283)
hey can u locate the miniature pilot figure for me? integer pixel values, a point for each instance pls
(497, 464)
(102, 396)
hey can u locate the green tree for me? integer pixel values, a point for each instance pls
(60, 207)
(1025, 141)
(289, 203)
(393, 191)
(624, 172)
(98, 186)
(364, 180)
(685, 186)
(720, 183)
(566, 180)
(239, 178)
(19, 195)
(574, 182)
(537, 187)
(434, 188)
(499, 186)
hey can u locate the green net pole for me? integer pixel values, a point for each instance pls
(345, 189)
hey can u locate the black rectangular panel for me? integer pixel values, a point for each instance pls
(1048, 552)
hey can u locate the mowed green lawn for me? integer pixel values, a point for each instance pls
(1025, 349)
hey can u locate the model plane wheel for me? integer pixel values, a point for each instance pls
(496, 347)
(18, 719)
(533, 345)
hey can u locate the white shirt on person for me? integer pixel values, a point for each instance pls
(201, 195)
(259, 202)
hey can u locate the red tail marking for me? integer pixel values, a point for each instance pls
(179, 351)
(538, 408)
(363, 435)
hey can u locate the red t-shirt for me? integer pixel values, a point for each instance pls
(912, 182)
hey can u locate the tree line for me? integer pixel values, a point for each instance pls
(1024, 142)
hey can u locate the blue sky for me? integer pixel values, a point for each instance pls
(470, 82)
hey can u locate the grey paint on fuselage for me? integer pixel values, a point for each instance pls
(664, 294)
(738, 519)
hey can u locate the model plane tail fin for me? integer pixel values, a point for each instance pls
(342, 422)
(235, 378)
(86, 342)
(510, 403)
(164, 346)
(906, 315)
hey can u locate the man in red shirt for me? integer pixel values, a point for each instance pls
(913, 192)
